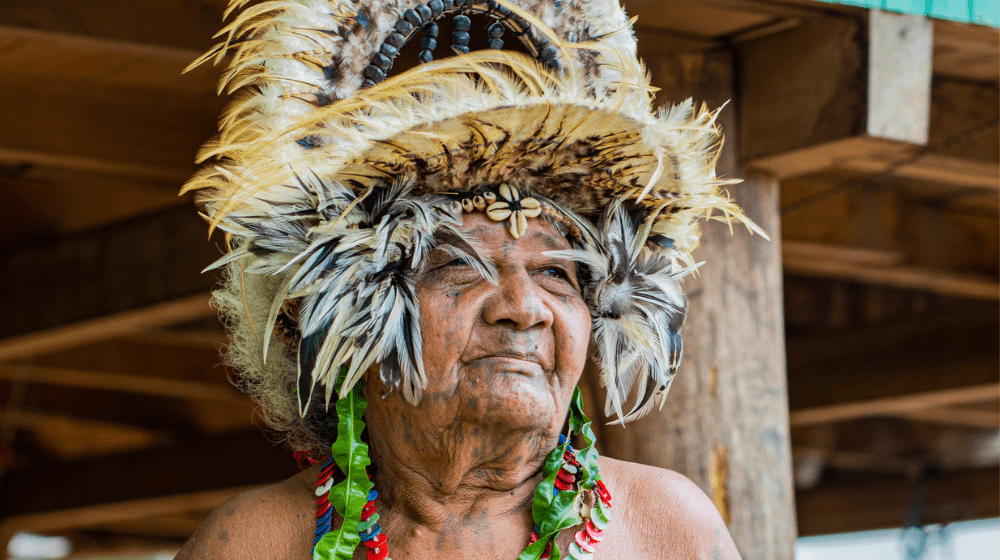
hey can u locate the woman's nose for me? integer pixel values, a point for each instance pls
(518, 301)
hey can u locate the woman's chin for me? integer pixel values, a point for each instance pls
(510, 400)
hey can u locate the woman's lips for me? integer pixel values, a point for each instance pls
(521, 365)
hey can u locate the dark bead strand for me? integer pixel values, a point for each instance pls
(425, 12)
(428, 42)
(495, 32)
(413, 18)
(405, 27)
(460, 36)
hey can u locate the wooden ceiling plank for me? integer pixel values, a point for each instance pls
(975, 286)
(854, 460)
(108, 282)
(966, 51)
(142, 384)
(115, 325)
(201, 339)
(859, 256)
(883, 502)
(862, 344)
(936, 168)
(31, 54)
(891, 406)
(46, 421)
(182, 24)
(14, 156)
(971, 418)
(188, 467)
(102, 514)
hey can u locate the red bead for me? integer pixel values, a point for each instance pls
(323, 508)
(376, 541)
(583, 542)
(368, 510)
(602, 491)
(379, 553)
(594, 533)
(571, 459)
(568, 478)
(562, 486)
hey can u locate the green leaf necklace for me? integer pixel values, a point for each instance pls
(570, 493)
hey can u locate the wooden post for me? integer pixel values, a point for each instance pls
(725, 422)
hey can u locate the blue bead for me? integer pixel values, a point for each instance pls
(372, 494)
(562, 439)
(371, 533)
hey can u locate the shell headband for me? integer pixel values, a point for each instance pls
(336, 177)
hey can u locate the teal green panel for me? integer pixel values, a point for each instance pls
(861, 3)
(980, 12)
(949, 9)
(905, 6)
(985, 12)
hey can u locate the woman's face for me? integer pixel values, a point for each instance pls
(505, 356)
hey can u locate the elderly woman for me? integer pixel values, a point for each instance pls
(421, 264)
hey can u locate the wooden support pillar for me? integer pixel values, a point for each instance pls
(725, 422)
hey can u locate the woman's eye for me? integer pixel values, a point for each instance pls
(458, 261)
(555, 272)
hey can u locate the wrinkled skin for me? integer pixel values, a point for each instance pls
(501, 361)
(456, 473)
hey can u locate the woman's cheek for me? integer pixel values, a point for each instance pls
(442, 318)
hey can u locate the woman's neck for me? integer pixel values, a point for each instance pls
(431, 473)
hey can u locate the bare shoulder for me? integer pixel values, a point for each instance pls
(273, 522)
(664, 514)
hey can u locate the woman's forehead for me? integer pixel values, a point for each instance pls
(540, 236)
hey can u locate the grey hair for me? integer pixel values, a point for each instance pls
(244, 301)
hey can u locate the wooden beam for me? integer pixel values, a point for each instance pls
(73, 437)
(801, 88)
(110, 326)
(111, 281)
(808, 351)
(107, 513)
(883, 502)
(956, 416)
(970, 52)
(202, 339)
(949, 170)
(142, 384)
(857, 461)
(185, 24)
(910, 405)
(172, 525)
(44, 206)
(899, 76)
(855, 256)
(109, 129)
(187, 468)
(938, 369)
(875, 267)
(33, 54)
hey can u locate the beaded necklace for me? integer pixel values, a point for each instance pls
(562, 500)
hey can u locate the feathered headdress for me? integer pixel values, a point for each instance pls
(337, 175)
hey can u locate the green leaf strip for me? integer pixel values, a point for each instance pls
(553, 514)
(349, 496)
